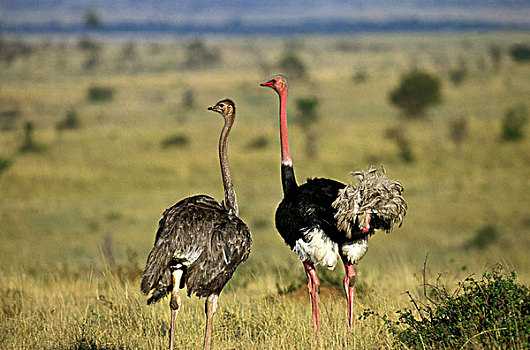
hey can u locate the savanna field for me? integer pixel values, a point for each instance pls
(86, 173)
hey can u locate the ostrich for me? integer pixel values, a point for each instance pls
(323, 219)
(199, 243)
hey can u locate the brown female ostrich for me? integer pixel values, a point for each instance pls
(324, 219)
(199, 243)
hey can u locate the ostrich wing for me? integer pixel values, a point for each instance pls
(181, 238)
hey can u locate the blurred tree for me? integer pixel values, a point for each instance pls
(100, 94)
(360, 76)
(458, 131)
(307, 117)
(5, 163)
(292, 66)
(495, 52)
(514, 123)
(457, 76)
(520, 52)
(188, 99)
(417, 91)
(198, 55)
(92, 19)
(70, 121)
(398, 135)
(28, 143)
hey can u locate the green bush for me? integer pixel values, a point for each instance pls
(258, 143)
(417, 91)
(520, 52)
(5, 163)
(457, 76)
(484, 237)
(70, 121)
(492, 313)
(175, 141)
(100, 94)
(514, 122)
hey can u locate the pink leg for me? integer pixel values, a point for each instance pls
(313, 285)
(349, 287)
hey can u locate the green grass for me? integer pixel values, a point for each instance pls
(112, 178)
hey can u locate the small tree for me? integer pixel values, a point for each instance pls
(306, 117)
(417, 91)
(198, 55)
(458, 131)
(28, 143)
(70, 121)
(398, 135)
(188, 99)
(92, 19)
(293, 66)
(495, 52)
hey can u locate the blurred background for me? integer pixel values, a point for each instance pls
(103, 125)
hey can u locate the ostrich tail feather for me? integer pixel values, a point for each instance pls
(156, 278)
(375, 202)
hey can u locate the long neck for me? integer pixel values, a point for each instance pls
(230, 193)
(288, 178)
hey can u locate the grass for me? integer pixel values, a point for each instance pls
(112, 178)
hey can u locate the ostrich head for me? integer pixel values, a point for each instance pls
(226, 108)
(278, 83)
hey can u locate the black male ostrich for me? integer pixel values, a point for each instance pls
(199, 243)
(324, 219)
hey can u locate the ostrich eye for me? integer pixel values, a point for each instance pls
(222, 105)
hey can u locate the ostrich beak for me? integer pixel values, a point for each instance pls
(214, 108)
(267, 83)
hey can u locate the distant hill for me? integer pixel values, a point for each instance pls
(271, 16)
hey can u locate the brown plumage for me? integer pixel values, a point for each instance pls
(199, 243)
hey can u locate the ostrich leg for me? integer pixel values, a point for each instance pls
(349, 287)
(174, 304)
(211, 309)
(313, 285)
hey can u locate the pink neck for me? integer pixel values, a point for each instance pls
(284, 136)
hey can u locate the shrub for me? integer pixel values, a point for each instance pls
(495, 53)
(100, 94)
(70, 121)
(484, 237)
(188, 99)
(514, 122)
(175, 141)
(491, 313)
(402, 141)
(360, 77)
(520, 52)
(457, 76)
(5, 163)
(417, 91)
(9, 117)
(198, 55)
(258, 143)
(458, 131)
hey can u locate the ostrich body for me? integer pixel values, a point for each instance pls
(323, 220)
(199, 243)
